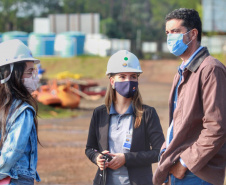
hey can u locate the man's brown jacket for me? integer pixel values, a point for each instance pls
(199, 132)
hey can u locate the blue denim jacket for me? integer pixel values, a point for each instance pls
(19, 151)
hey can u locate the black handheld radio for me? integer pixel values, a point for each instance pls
(107, 157)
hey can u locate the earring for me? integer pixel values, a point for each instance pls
(113, 86)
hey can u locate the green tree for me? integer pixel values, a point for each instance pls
(159, 9)
(87, 6)
(119, 18)
(19, 14)
(50, 7)
(109, 27)
(9, 10)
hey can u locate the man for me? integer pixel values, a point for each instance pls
(195, 150)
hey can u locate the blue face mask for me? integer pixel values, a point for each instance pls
(175, 43)
(127, 88)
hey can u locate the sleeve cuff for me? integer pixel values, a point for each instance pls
(182, 162)
(161, 152)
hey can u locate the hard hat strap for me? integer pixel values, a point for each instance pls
(8, 77)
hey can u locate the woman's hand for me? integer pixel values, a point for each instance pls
(100, 161)
(117, 161)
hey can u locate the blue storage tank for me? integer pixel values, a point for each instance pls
(23, 36)
(69, 44)
(41, 44)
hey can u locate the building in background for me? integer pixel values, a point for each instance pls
(214, 15)
(87, 23)
(98, 44)
(41, 25)
(77, 34)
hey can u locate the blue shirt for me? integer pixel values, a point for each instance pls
(120, 126)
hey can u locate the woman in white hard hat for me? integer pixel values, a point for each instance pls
(18, 121)
(124, 129)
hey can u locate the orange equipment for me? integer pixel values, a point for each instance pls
(55, 94)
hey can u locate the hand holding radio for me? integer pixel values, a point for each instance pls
(117, 162)
(107, 157)
(113, 161)
(103, 158)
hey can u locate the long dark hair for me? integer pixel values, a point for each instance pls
(11, 90)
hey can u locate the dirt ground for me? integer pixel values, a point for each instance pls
(62, 158)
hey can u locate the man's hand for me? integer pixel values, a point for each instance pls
(178, 170)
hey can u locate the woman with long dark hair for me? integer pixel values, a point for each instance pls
(125, 136)
(18, 114)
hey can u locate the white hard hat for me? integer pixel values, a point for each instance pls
(123, 61)
(12, 51)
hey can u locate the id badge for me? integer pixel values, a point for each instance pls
(128, 141)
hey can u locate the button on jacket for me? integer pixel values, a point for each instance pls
(19, 151)
(141, 156)
(199, 121)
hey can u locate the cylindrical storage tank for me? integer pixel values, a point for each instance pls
(80, 37)
(23, 36)
(41, 44)
(69, 44)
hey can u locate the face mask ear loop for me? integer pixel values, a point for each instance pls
(8, 77)
(187, 32)
(190, 40)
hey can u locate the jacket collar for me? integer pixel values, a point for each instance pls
(198, 59)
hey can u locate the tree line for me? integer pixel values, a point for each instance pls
(126, 19)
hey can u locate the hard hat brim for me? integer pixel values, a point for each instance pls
(36, 61)
(126, 70)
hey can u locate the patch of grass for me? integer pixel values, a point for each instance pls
(46, 112)
(221, 57)
(87, 66)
